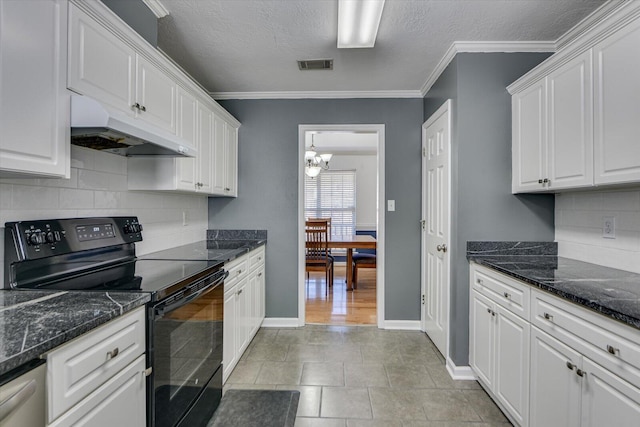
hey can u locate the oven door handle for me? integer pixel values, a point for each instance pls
(161, 309)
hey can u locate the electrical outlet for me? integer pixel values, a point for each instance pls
(609, 227)
(185, 219)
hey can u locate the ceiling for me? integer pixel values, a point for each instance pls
(249, 48)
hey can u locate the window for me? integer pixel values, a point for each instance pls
(332, 194)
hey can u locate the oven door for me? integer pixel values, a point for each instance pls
(186, 342)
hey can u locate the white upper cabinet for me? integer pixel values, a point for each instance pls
(231, 160)
(187, 128)
(34, 103)
(570, 130)
(617, 106)
(156, 94)
(575, 116)
(218, 156)
(529, 138)
(101, 65)
(205, 149)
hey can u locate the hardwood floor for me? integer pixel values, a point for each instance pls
(341, 307)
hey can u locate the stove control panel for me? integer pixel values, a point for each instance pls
(44, 238)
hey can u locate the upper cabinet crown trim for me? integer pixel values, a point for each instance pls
(112, 22)
(609, 18)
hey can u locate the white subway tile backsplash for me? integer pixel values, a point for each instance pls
(98, 187)
(579, 221)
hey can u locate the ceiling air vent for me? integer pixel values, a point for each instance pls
(315, 64)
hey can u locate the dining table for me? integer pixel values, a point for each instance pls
(351, 242)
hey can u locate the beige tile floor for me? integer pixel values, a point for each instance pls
(357, 376)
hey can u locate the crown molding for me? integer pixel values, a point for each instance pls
(157, 8)
(317, 94)
(483, 47)
(588, 23)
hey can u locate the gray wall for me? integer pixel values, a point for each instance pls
(483, 206)
(138, 16)
(268, 190)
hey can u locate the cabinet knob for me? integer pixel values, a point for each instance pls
(580, 373)
(480, 282)
(113, 353)
(143, 108)
(548, 317)
(227, 189)
(546, 181)
(540, 181)
(259, 274)
(240, 291)
(507, 295)
(570, 365)
(611, 349)
(136, 106)
(442, 248)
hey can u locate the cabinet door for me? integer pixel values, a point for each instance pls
(481, 338)
(100, 64)
(229, 340)
(616, 113)
(243, 302)
(259, 298)
(156, 94)
(187, 128)
(529, 138)
(218, 156)
(34, 104)
(231, 160)
(512, 364)
(120, 402)
(570, 144)
(555, 387)
(607, 399)
(205, 149)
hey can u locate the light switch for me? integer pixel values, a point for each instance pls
(391, 205)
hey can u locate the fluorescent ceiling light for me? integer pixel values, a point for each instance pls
(358, 22)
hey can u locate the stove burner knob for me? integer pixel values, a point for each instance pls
(35, 239)
(49, 237)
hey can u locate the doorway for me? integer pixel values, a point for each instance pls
(322, 135)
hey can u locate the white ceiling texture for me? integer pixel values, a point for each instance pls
(249, 48)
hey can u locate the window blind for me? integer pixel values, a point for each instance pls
(332, 194)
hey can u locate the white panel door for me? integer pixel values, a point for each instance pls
(512, 364)
(436, 202)
(187, 128)
(607, 399)
(482, 338)
(156, 94)
(570, 143)
(229, 338)
(555, 387)
(617, 109)
(34, 103)
(100, 64)
(243, 306)
(529, 139)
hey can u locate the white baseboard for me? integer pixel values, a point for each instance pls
(464, 373)
(280, 322)
(408, 325)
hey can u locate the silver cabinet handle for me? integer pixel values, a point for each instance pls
(113, 353)
(507, 295)
(16, 399)
(227, 189)
(580, 373)
(239, 292)
(489, 310)
(548, 317)
(136, 106)
(259, 274)
(611, 349)
(442, 248)
(143, 108)
(540, 181)
(570, 365)
(480, 282)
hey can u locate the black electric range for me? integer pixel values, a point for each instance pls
(184, 318)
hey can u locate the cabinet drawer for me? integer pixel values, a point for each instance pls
(79, 367)
(237, 269)
(505, 291)
(613, 345)
(256, 258)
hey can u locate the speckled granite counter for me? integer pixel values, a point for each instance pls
(34, 322)
(613, 293)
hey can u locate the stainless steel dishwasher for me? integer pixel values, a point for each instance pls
(22, 396)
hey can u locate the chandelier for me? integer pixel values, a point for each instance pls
(314, 163)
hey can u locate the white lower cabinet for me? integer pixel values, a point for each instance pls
(499, 343)
(243, 306)
(560, 365)
(99, 378)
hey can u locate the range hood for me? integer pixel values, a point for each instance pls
(95, 125)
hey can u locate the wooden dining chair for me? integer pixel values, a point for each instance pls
(361, 260)
(317, 253)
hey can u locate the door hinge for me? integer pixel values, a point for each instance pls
(423, 224)
(423, 301)
(424, 151)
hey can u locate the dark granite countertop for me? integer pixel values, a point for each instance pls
(33, 322)
(613, 293)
